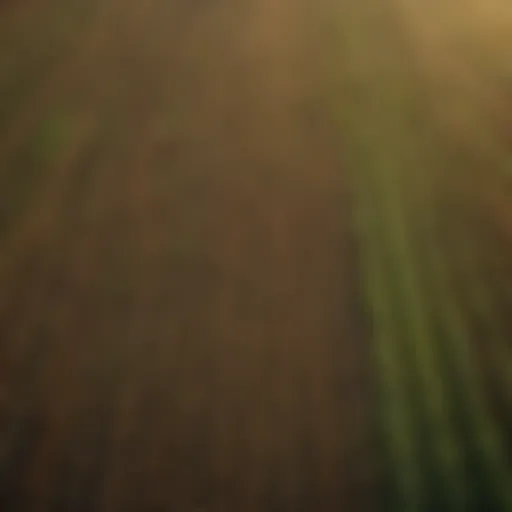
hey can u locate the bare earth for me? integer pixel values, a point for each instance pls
(175, 319)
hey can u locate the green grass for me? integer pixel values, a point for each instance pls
(443, 447)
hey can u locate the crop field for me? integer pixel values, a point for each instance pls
(255, 255)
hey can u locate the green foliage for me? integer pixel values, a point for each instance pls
(443, 448)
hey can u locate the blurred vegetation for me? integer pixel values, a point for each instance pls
(422, 99)
(418, 92)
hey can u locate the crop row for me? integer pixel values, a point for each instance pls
(444, 450)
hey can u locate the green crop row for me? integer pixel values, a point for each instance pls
(445, 453)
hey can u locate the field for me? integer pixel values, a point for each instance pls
(255, 255)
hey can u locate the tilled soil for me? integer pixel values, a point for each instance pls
(176, 278)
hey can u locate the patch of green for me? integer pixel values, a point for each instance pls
(442, 447)
(29, 167)
(51, 138)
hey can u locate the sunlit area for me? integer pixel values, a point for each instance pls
(256, 255)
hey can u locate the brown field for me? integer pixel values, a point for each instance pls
(177, 271)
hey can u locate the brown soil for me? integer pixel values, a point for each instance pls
(175, 299)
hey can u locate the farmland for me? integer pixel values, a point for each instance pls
(255, 255)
